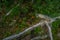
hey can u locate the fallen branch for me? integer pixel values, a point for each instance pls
(28, 29)
(49, 30)
(11, 10)
(34, 26)
(39, 37)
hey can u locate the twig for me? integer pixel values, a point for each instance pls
(44, 16)
(28, 29)
(34, 26)
(57, 18)
(39, 37)
(11, 10)
(49, 30)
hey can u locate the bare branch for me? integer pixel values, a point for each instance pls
(57, 18)
(43, 16)
(47, 22)
(11, 10)
(28, 29)
(39, 37)
(49, 30)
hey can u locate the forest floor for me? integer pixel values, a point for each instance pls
(18, 15)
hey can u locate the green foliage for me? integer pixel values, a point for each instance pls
(55, 29)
